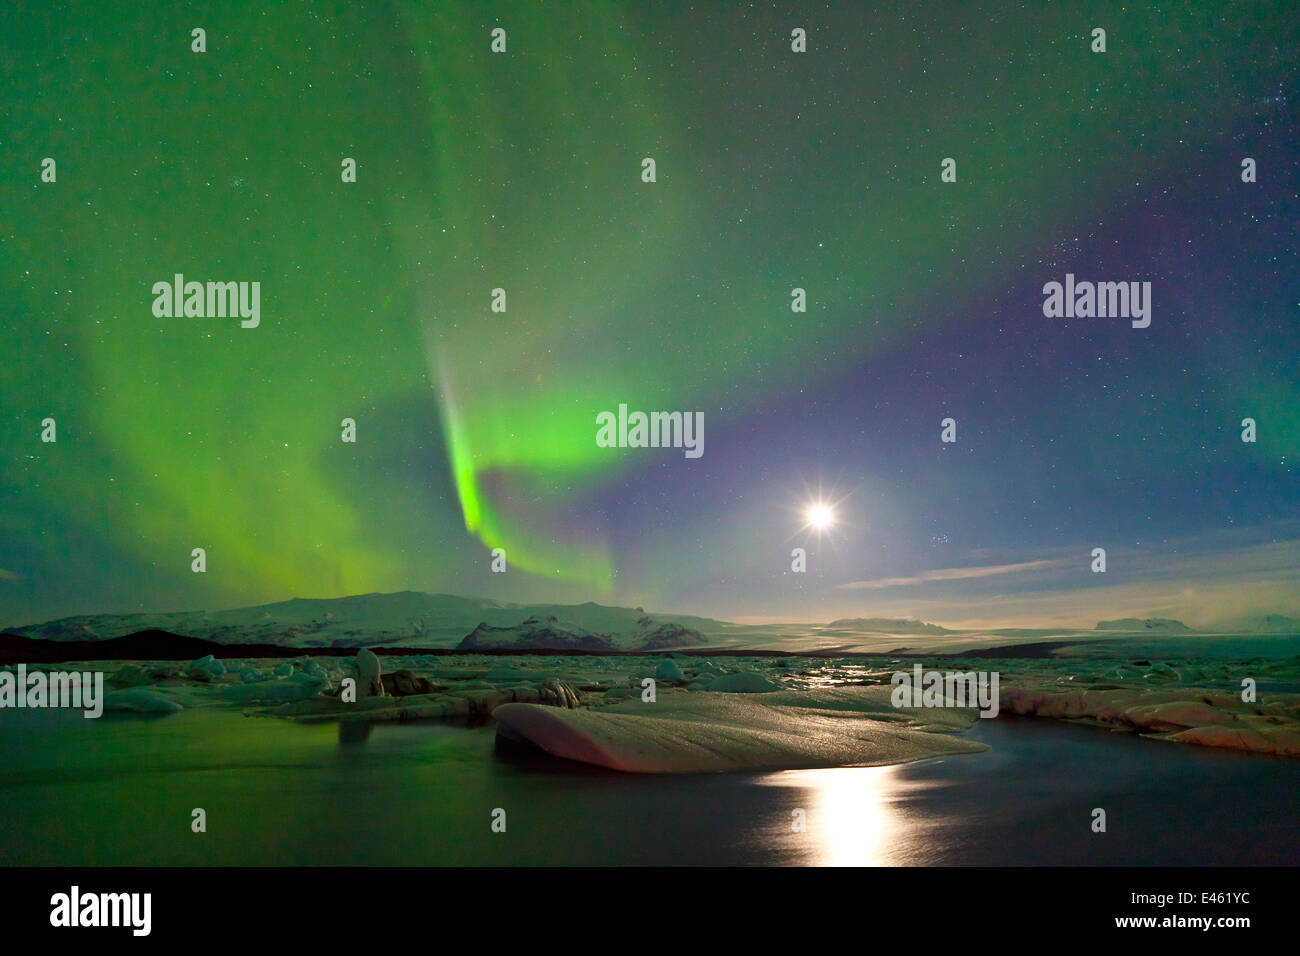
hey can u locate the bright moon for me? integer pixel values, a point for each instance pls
(820, 517)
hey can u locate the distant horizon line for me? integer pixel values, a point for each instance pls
(746, 620)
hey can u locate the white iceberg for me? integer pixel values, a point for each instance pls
(140, 700)
(707, 732)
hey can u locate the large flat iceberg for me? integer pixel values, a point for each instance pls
(704, 732)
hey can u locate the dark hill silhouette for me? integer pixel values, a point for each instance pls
(151, 645)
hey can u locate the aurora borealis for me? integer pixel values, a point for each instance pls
(775, 170)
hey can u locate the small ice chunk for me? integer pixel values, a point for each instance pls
(132, 675)
(668, 670)
(205, 668)
(298, 686)
(140, 700)
(369, 683)
(745, 682)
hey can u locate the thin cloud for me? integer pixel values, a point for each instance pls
(948, 574)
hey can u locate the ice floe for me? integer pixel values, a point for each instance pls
(709, 732)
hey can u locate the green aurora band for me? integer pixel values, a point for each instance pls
(479, 171)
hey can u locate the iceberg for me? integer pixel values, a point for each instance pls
(705, 732)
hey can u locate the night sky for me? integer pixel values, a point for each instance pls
(522, 170)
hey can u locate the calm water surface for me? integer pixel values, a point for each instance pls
(120, 790)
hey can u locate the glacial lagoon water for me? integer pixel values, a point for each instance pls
(121, 790)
